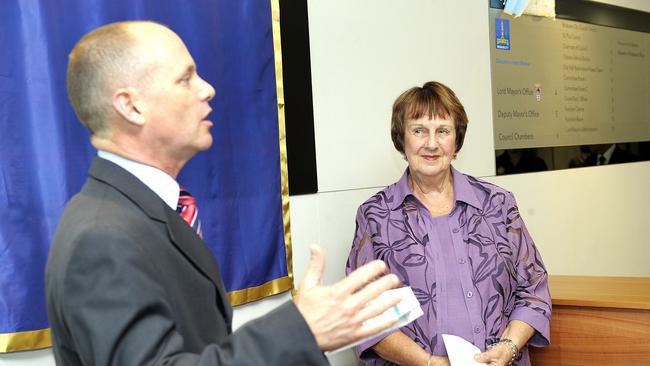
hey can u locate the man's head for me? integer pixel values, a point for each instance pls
(135, 86)
(100, 60)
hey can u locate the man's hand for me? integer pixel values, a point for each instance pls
(336, 314)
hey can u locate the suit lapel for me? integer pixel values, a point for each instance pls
(195, 250)
(183, 237)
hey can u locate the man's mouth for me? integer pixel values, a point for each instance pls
(205, 117)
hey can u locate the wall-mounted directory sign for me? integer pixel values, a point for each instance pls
(560, 82)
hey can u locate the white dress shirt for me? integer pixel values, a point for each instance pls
(607, 155)
(158, 181)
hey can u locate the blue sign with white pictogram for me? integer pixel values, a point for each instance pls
(502, 33)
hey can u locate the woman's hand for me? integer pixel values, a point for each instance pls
(402, 350)
(513, 339)
(439, 361)
(499, 355)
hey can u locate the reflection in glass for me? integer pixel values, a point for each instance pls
(513, 161)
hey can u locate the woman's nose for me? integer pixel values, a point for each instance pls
(432, 141)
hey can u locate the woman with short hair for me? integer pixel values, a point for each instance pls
(458, 241)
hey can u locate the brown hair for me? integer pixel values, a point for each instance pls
(97, 64)
(432, 99)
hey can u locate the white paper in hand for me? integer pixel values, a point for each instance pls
(460, 351)
(406, 310)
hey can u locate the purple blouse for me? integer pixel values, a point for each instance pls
(473, 270)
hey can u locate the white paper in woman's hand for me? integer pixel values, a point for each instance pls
(460, 351)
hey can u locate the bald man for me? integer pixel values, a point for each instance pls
(128, 281)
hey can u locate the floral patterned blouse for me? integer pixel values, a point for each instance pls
(472, 271)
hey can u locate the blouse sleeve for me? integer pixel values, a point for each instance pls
(361, 253)
(532, 298)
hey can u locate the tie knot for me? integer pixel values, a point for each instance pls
(188, 210)
(185, 199)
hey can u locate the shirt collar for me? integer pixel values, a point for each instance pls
(608, 154)
(158, 181)
(462, 190)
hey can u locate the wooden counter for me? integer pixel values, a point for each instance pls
(598, 321)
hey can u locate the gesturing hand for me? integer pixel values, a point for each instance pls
(336, 314)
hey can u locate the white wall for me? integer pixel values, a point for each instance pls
(643, 5)
(365, 53)
(589, 221)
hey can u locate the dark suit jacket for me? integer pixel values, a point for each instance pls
(130, 283)
(618, 156)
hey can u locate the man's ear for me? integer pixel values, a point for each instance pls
(127, 103)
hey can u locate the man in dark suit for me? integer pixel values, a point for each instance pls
(129, 282)
(605, 154)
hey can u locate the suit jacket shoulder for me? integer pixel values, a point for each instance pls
(129, 283)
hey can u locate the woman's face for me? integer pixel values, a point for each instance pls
(429, 146)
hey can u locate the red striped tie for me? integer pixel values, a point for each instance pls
(188, 210)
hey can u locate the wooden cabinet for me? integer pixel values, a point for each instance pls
(598, 321)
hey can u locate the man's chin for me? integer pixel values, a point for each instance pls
(205, 143)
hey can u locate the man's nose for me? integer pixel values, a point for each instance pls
(206, 91)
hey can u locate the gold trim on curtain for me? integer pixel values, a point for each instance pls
(279, 285)
(23, 341)
(255, 293)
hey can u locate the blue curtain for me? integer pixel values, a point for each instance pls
(45, 153)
